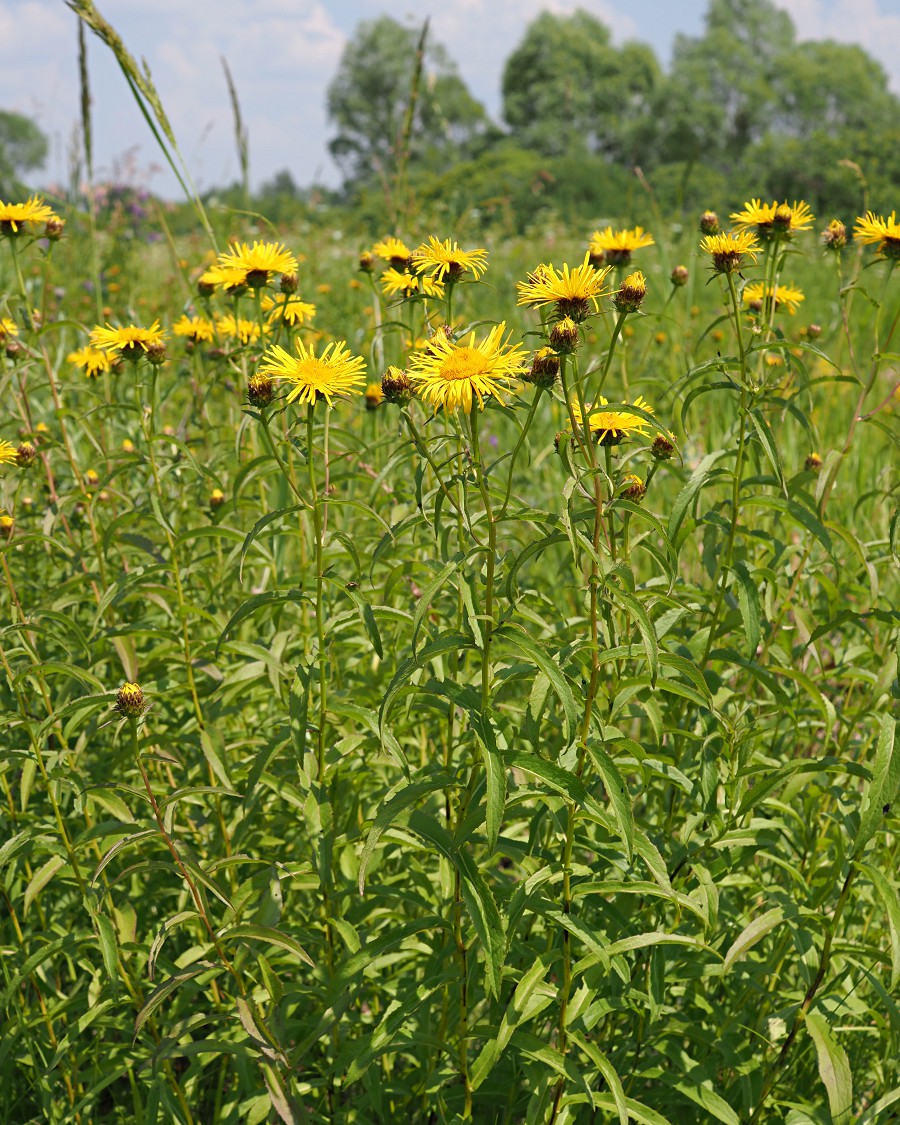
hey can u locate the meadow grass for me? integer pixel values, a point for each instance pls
(454, 777)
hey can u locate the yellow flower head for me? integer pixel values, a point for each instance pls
(131, 341)
(445, 259)
(615, 247)
(775, 220)
(727, 250)
(407, 284)
(335, 373)
(394, 251)
(759, 296)
(573, 291)
(873, 229)
(7, 453)
(253, 264)
(238, 328)
(289, 309)
(610, 427)
(7, 328)
(94, 361)
(31, 213)
(449, 374)
(374, 396)
(196, 328)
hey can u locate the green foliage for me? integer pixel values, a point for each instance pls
(376, 88)
(23, 148)
(567, 90)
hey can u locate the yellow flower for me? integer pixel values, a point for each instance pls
(254, 263)
(573, 291)
(7, 328)
(443, 259)
(238, 328)
(873, 229)
(374, 396)
(392, 250)
(773, 220)
(609, 427)
(407, 284)
(130, 341)
(94, 361)
(334, 373)
(196, 328)
(615, 247)
(727, 250)
(7, 453)
(291, 310)
(231, 279)
(33, 212)
(759, 296)
(448, 374)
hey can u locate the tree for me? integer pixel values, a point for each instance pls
(23, 147)
(567, 89)
(370, 96)
(721, 94)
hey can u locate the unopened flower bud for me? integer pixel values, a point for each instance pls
(813, 331)
(632, 293)
(813, 463)
(7, 525)
(130, 700)
(679, 276)
(564, 335)
(633, 488)
(13, 349)
(544, 369)
(289, 283)
(781, 220)
(25, 455)
(128, 446)
(834, 236)
(709, 223)
(54, 229)
(396, 386)
(663, 447)
(260, 388)
(156, 353)
(367, 261)
(216, 498)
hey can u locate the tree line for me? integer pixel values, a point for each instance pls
(744, 108)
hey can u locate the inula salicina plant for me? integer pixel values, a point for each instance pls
(447, 685)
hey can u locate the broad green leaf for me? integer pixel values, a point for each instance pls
(834, 1068)
(751, 934)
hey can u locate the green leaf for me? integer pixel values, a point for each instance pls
(530, 998)
(257, 602)
(751, 934)
(476, 894)
(617, 790)
(270, 936)
(748, 600)
(882, 789)
(834, 1068)
(164, 990)
(523, 645)
(891, 900)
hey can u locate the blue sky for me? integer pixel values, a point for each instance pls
(284, 53)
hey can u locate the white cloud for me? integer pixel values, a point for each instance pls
(852, 21)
